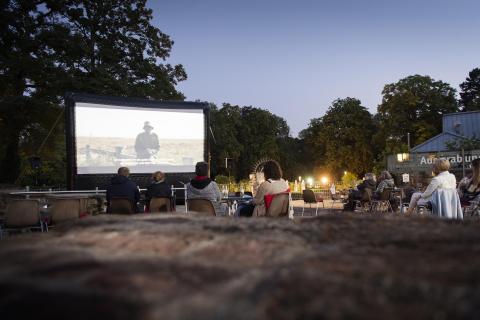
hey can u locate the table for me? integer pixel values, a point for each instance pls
(233, 202)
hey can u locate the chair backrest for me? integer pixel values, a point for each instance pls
(65, 209)
(121, 206)
(279, 205)
(201, 205)
(366, 195)
(386, 194)
(309, 196)
(160, 204)
(446, 204)
(22, 213)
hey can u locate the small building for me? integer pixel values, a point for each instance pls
(417, 164)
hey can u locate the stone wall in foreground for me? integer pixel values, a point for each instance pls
(183, 267)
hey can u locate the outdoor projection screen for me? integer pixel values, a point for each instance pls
(142, 135)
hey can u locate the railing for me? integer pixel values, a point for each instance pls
(27, 193)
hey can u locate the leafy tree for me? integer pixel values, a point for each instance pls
(50, 47)
(470, 91)
(341, 139)
(464, 143)
(412, 105)
(226, 124)
(247, 134)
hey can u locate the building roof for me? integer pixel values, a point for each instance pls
(460, 125)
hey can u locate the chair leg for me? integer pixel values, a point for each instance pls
(316, 211)
(303, 208)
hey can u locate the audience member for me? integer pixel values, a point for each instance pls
(469, 187)
(386, 181)
(442, 180)
(122, 186)
(158, 188)
(273, 184)
(369, 183)
(203, 187)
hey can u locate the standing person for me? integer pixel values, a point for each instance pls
(273, 184)
(469, 187)
(158, 188)
(146, 143)
(442, 180)
(203, 187)
(122, 186)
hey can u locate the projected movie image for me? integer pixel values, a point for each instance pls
(143, 139)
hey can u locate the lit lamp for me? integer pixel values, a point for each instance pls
(324, 180)
(310, 181)
(401, 157)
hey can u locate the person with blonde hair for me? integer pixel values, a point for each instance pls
(442, 180)
(158, 188)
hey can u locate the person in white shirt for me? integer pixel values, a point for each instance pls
(274, 184)
(442, 180)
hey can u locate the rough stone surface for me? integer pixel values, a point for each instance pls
(336, 266)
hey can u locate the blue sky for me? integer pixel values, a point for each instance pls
(295, 57)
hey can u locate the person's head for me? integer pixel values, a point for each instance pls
(123, 171)
(369, 176)
(476, 171)
(158, 176)
(272, 170)
(147, 127)
(201, 169)
(385, 175)
(440, 165)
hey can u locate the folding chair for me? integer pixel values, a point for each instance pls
(365, 203)
(160, 204)
(310, 197)
(21, 215)
(204, 206)
(383, 204)
(279, 206)
(121, 205)
(64, 209)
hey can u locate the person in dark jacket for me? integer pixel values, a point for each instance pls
(369, 182)
(158, 188)
(122, 186)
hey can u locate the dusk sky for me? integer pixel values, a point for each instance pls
(294, 58)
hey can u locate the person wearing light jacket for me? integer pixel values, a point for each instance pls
(203, 187)
(442, 180)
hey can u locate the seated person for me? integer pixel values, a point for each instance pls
(122, 186)
(442, 180)
(273, 184)
(158, 188)
(469, 187)
(386, 181)
(203, 187)
(368, 182)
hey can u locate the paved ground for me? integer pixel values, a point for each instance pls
(335, 266)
